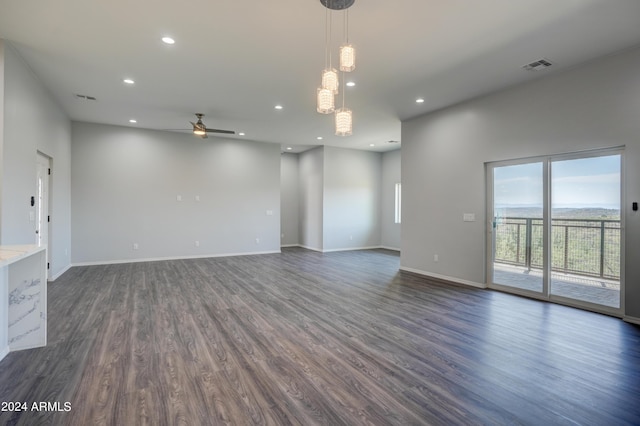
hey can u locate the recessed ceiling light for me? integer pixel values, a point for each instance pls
(419, 100)
(168, 40)
(289, 148)
(278, 107)
(133, 121)
(351, 83)
(319, 138)
(372, 144)
(128, 81)
(241, 134)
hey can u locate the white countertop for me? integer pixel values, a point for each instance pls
(11, 254)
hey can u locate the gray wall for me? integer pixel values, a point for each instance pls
(33, 122)
(311, 173)
(391, 174)
(125, 187)
(351, 208)
(443, 156)
(289, 200)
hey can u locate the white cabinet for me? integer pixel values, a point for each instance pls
(23, 298)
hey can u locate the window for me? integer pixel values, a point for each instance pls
(398, 204)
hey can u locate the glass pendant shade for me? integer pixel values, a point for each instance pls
(330, 80)
(344, 122)
(347, 58)
(326, 101)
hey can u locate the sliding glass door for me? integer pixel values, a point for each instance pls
(518, 207)
(555, 228)
(585, 232)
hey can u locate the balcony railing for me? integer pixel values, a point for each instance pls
(586, 247)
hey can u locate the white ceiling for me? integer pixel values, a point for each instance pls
(235, 60)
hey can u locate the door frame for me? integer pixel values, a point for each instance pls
(43, 160)
(546, 295)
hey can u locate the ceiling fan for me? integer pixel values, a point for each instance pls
(200, 129)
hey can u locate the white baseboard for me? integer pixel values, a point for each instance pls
(351, 249)
(59, 274)
(158, 259)
(4, 352)
(289, 245)
(444, 277)
(310, 248)
(390, 248)
(632, 320)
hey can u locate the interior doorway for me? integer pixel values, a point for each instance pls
(42, 215)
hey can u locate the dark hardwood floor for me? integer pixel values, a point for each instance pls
(309, 338)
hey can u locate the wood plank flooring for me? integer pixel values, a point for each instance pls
(307, 338)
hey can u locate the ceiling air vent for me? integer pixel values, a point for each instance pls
(85, 97)
(538, 65)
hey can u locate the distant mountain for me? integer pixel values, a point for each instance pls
(561, 213)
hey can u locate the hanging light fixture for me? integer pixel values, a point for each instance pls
(326, 101)
(344, 119)
(347, 51)
(344, 122)
(330, 80)
(330, 74)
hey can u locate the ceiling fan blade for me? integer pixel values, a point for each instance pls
(228, 132)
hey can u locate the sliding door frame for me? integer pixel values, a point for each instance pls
(546, 215)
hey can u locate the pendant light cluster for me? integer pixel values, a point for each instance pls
(330, 82)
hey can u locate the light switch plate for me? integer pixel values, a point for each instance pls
(469, 217)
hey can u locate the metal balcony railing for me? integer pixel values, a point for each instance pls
(586, 247)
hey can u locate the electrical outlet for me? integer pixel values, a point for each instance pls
(135, 246)
(257, 240)
(179, 198)
(436, 258)
(197, 243)
(351, 237)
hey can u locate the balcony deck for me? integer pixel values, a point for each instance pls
(594, 290)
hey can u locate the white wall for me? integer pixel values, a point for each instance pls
(4, 286)
(125, 184)
(351, 208)
(391, 174)
(443, 156)
(33, 122)
(311, 172)
(289, 200)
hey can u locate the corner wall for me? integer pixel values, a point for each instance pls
(311, 171)
(28, 105)
(443, 156)
(391, 174)
(289, 200)
(351, 208)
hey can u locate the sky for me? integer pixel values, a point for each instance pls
(584, 182)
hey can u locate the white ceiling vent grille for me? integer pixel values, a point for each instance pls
(538, 65)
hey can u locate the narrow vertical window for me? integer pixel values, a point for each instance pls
(398, 205)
